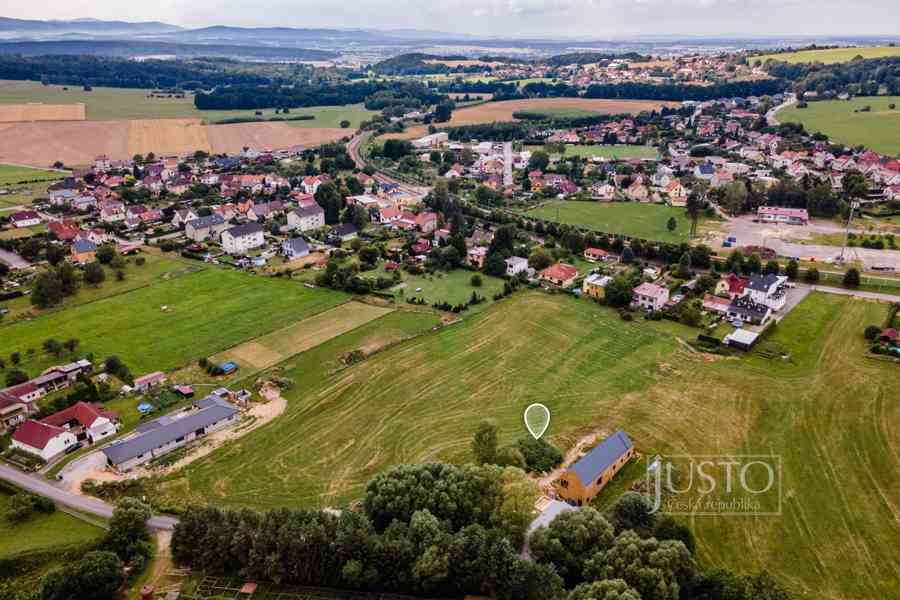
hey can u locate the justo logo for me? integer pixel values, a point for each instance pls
(748, 485)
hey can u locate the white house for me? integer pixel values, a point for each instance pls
(516, 265)
(242, 238)
(295, 248)
(650, 296)
(25, 218)
(204, 228)
(86, 420)
(306, 218)
(42, 440)
(767, 290)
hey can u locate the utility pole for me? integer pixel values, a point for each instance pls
(853, 207)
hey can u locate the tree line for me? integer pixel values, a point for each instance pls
(122, 73)
(863, 77)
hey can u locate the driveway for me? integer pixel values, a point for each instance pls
(13, 260)
(39, 486)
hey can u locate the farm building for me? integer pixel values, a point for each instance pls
(777, 214)
(165, 434)
(581, 482)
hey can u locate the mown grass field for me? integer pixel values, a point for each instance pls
(113, 104)
(169, 324)
(42, 532)
(833, 55)
(35, 184)
(827, 411)
(647, 221)
(613, 151)
(454, 287)
(878, 129)
(157, 268)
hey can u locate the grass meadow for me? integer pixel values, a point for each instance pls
(23, 184)
(613, 151)
(878, 129)
(173, 322)
(114, 104)
(454, 287)
(827, 411)
(647, 221)
(42, 532)
(832, 55)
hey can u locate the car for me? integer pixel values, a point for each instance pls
(419, 289)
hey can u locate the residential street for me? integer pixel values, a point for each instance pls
(38, 485)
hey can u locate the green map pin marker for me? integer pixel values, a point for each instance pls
(537, 420)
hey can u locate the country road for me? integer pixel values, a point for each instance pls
(41, 487)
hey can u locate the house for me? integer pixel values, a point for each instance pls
(516, 265)
(650, 296)
(344, 232)
(184, 216)
(597, 255)
(263, 211)
(676, 193)
(777, 214)
(149, 381)
(581, 482)
(158, 437)
(295, 248)
(25, 218)
(41, 440)
(705, 171)
(746, 310)
(476, 255)
(603, 191)
(306, 218)
(242, 238)
(594, 286)
(731, 285)
(16, 403)
(88, 421)
(64, 231)
(204, 228)
(768, 290)
(311, 184)
(716, 304)
(426, 222)
(560, 274)
(62, 376)
(84, 251)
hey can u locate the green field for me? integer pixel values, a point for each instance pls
(613, 151)
(111, 104)
(169, 324)
(878, 129)
(827, 411)
(560, 113)
(454, 287)
(156, 269)
(647, 221)
(42, 532)
(834, 55)
(23, 184)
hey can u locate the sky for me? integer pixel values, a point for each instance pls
(510, 18)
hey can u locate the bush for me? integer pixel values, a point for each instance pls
(811, 275)
(539, 455)
(476, 281)
(851, 277)
(872, 332)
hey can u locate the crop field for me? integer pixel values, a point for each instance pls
(827, 411)
(647, 221)
(271, 349)
(79, 142)
(834, 55)
(612, 151)
(169, 324)
(503, 111)
(42, 532)
(878, 129)
(35, 111)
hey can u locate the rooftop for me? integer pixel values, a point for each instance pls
(604, 455)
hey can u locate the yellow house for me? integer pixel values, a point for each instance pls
(594, 286)
(581, 482)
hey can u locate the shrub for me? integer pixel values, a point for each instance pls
(812, 275)
(539, 455)
(851, 277)
(476, 281)
(872, 332)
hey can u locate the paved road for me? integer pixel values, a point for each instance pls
(41, 487)
(13, 260)
(772, 115)
(855, 293)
